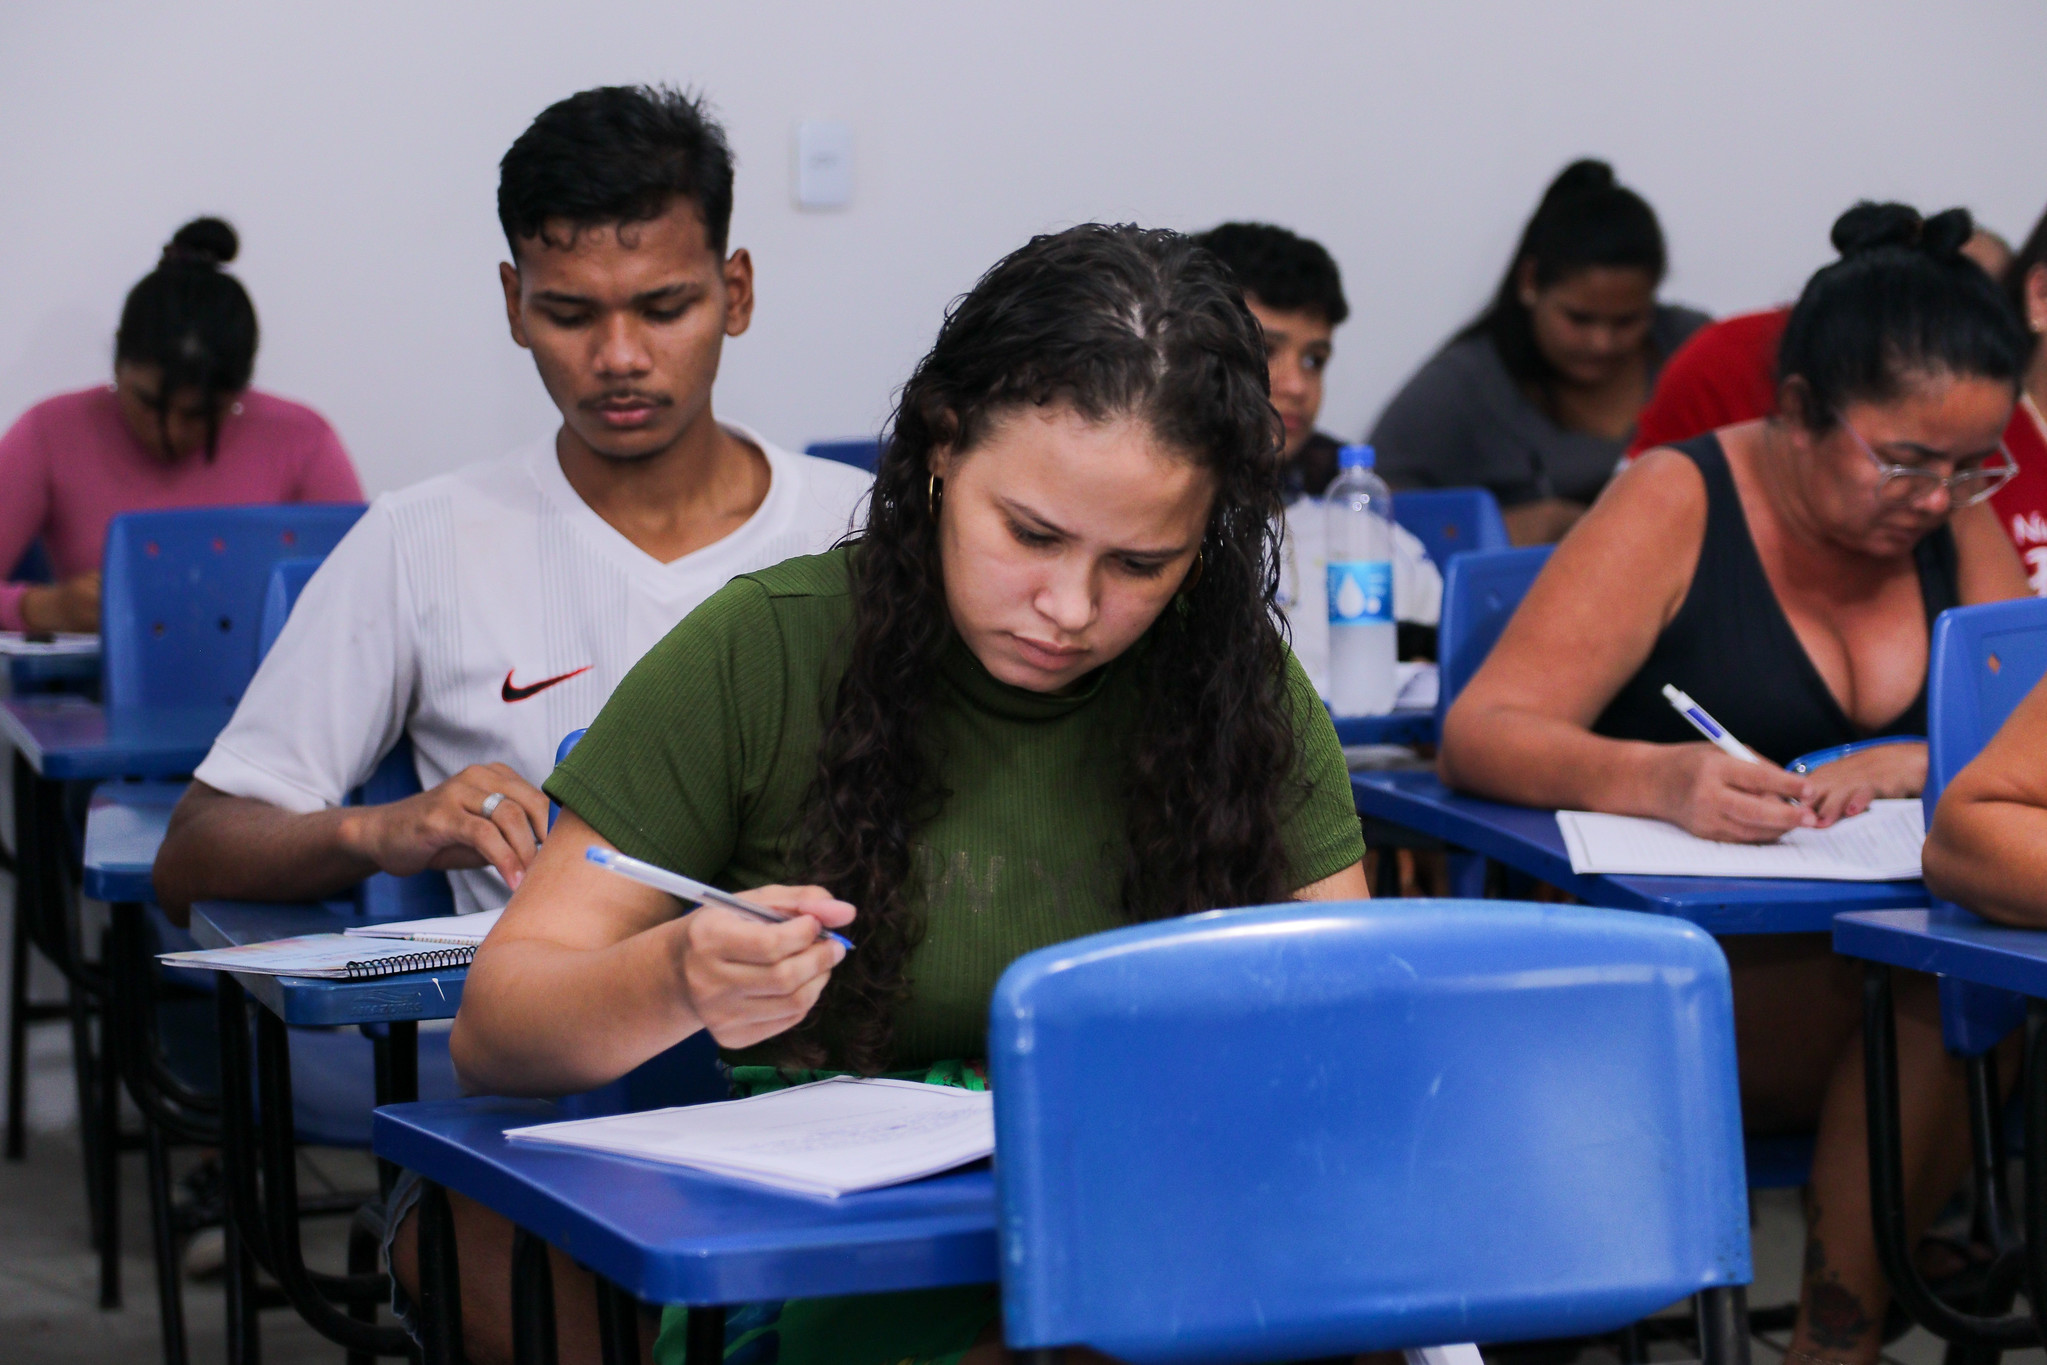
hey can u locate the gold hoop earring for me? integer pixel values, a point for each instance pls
(932, 492)
(1193, 578)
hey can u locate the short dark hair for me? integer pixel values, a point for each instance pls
(1902, 301)
(1281, 270)
(194, 322)
(616, 154)
(1586, 220)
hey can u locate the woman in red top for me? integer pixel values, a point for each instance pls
(2022, 504)
(178, 427)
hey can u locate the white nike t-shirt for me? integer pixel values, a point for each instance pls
(486, 613)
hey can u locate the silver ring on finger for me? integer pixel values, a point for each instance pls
(491, 803)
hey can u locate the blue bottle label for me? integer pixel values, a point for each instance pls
(1360, 592)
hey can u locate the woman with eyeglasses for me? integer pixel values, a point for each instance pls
(1786, 573)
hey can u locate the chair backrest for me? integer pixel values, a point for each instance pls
(382, 894)
(1308, 1130)
(1481, 591)
(561, 751)
(862, 454)
(1984, 661)
(288, 578)
(182, 596)
(1452, 521)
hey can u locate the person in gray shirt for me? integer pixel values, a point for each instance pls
(1535, 399)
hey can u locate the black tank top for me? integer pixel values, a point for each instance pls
(1731, 647)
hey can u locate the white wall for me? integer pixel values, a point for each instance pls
(355, 146)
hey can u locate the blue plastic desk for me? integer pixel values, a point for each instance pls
(1529, 841)
(65, 737)
(1407, 726)
(31, 673)
(124, 827)
(399, 1002)
(306, 1001)
(667, 1235)
(1948, 942)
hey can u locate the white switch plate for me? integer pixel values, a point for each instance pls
(824, 164)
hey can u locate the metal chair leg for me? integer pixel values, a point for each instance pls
(1887, 1181)
(1723, 1326)
(170, 1296)
(17, 1015)
(364, 1242)
(244, 1339)
(108, 1158)
(440, 1280)
(618, 1328)
(533, 1333)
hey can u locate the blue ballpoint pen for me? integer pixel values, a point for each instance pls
(690, 889)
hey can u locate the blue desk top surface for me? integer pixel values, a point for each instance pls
(1949, 941)
(41, 672)
(671, 1235)
(314, 1001)
(124, 827)
(65, 737)
(1528, 840)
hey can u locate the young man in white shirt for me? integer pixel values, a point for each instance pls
(488, 612)
(1292, 286)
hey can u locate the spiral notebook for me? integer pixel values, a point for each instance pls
(334, 957)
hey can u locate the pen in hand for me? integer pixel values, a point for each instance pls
(690, 889)
(1715, 733)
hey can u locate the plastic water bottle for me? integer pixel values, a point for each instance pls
(1359, 512)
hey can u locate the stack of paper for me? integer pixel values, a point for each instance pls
(1880, 845)
(470, 929)
(16, 645)
(329, 956)
(828, 1137)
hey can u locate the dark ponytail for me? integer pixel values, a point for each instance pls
(1903, 301)
(194, 322)
(1586, 220)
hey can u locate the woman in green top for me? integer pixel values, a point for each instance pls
(1042, 695)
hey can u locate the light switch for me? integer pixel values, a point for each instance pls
(824, 164)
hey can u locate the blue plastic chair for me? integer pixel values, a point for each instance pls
(861, 454)
(687, 1073)
(1305, 1130)
(183, 592)
(1984, 661)
(380, 895)
(1452, 521)
(1481, 592)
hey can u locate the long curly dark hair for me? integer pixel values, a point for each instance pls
(1114, 322)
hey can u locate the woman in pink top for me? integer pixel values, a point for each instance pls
(178, 427)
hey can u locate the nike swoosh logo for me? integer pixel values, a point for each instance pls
(511, 693)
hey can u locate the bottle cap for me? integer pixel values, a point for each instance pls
(1355, 457)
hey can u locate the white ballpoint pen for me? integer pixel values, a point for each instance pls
(1715, 733)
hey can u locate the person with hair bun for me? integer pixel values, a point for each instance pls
(1042, 695)
(1536, 397)
(178, 427)
(1787, 573)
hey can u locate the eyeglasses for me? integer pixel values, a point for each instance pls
(1904, 483)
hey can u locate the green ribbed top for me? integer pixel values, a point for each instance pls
(701, 759)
